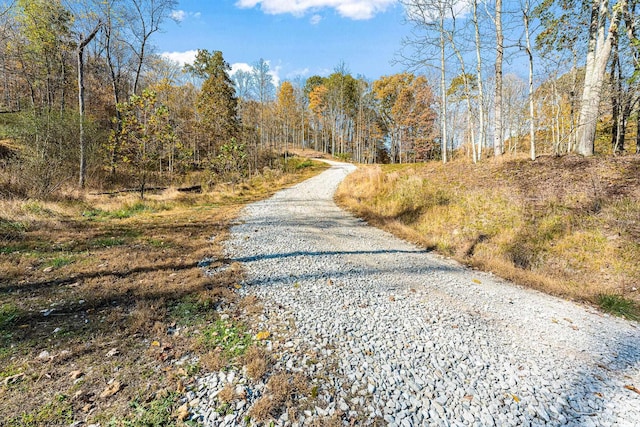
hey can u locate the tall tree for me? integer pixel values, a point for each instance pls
(527, 13)
(430, 19)
(498, 137)
(286, 110)
(217, 103)
(264, 91)
(83, 41)
(598, 53)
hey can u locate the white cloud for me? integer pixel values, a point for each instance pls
(315, 19)
(274, 72)
(302, 72)
(353, 9)
(181, 57)
(178, 15)
(240, 66)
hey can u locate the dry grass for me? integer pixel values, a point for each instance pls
(257, 362)
(227, 394)
(284, 391)
(107, 289)
(568, 226)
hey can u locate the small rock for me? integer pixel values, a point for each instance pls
(112, 352)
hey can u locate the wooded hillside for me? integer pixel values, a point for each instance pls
(86, 100)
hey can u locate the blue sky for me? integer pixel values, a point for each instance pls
(296, 37)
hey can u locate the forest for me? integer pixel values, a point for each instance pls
(86, 101)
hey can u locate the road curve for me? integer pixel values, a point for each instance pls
(393, 335)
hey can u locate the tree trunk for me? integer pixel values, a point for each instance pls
(482, 131)
(532, 125)
(498, 143)
(80, 53)
(443, 88)
(598, 54)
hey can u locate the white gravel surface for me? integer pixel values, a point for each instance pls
(392, 335)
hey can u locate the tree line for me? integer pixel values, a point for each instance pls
(572, 85)
(87, 99)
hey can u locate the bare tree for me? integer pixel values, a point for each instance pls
(526, 19)
(83, 41)
(482, 135)
(430, 17)
(498, 141)
(149, 15)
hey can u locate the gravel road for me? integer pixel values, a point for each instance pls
(392, 335)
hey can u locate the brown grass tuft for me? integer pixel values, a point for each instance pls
(257, 362)
(283, 391)
(227, 394)
(213, 361)
(251, 305)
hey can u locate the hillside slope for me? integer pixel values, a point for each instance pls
(569, 226)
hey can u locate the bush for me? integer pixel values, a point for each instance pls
(48, 158)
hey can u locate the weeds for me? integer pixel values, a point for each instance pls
(60, 261)
(127, 211)
(157, 412)
(8, 314)
(230, 337)
(619, 306)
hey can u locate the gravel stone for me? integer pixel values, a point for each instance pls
(399, 334)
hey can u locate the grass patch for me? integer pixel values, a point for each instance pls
(619, 306)
(191, 310)
(157, 412)
(60, 261)
(12, 230)
(126, 211)
(8, 313)
(229, 337)
(57, 412)
(108, 242)
(130, 288)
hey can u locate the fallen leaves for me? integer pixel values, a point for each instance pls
(477, 281)
(263, 335)
(76, 374)
(183, 412)
(111, 389)
(13, 379)
(632, 388)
